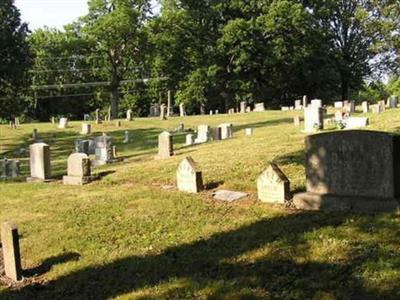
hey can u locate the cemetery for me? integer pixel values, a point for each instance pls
(180, 149)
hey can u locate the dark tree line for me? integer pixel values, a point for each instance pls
(212, 54)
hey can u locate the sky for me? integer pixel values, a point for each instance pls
(51, 13)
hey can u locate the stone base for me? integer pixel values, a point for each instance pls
(73, 180)
(38, 180)
(312, 201)
(97, 163)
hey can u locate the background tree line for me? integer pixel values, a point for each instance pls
(212, 54)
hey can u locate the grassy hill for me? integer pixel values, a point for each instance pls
(129, 235)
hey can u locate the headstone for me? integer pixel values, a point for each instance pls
(248, 109)
(259, 107)
(53, 120)
(273, 186)
(109, 114)
(189, 177)
(11, 250)
(114, 151)
(350, 107)
(189, 139)
(355, 122)
(126, 137)
(16, 122)
(203, 134)
(392, 102)
(297, 105)
(86, 128)
(242, 107)
(313, 119)
(181, 127)
(92, 147)
(9, 168)
(226, 130)
(216, 134)
(376, 108)
(305, 101)
(86, 117)
(211, 112)
(79, 172)
(63, 123)
(82, 146)
(165, 145)
(35, 135)
(97, 112)
(40, 162)
(351, 170)
(182, 111)
(103, 150)
(163, 112)
(297, 121)
(316, 103)
(365, 107)
(129, 115)
(170, 110)
(248, 131)
(285, 108)
(217, 112)
(339, 104)
(339, 116)
(118, 124)
(229, 196)
(382, 105)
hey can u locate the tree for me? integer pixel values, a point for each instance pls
(116, 29)
(14, 60)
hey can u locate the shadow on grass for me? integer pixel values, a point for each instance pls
(212, 266)
(296, 158)
(273, 122)
(50, 262)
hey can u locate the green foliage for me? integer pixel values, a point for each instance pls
(14, 61)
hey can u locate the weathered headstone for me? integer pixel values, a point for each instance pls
(248, 131)
(181, 127)
(343, 171)
(338, 104)
(316, 103)
(86, 128)
(16, 122)
(163, 112)
(188, 176)
(350, 107)
(9, 168)
(365, 107)
(63, 123)
(392, 102)
(285, 108)
(126, 137)
(376, 108)
(339, 116)
(242, 107)
(118, 124)
(297, 121)
(248, 109)
(259, 107)
(211, 112)
(82, 146)
(313, 119)
(182, 111)
(203, 134)
(11, 250)
(103, 150)
(216, 134)
(79, 171)
(355, 122)
(382, 105)
(129, 115)
(273, 186)
(189, 139)
(226, 130)
(165, 145)
(305, 101)
(53, 120)
(39, 162)
(97, 112)
(297, 105)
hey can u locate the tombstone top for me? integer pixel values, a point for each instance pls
(189, 162)
(273, 172)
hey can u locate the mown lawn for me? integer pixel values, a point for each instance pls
(128, 237)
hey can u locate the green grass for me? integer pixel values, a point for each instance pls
(126, 237)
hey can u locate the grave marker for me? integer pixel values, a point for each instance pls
(313, 119)
(189, 177)
(273, 186)
(79, 172)
(11, 250)
(39, 162)
(86, 129)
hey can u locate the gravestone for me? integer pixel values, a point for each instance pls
(165, 145)
(305, 101)
(392, 102)
(181, 127)
(126, 137)
(248, 131)
(355, 122)
(285, 108)
(86, 117)
(365, 107)
(188, 176)
(316, 103)
(297, 105)
(82, 146)
(248, 109)
(216, 134)
(350, 107)
(109, 114)
(53, 120)
(79, 172)
(63, 123)
(97, 112)
(339, 116)
(114, 151)
(313, 119)
(11, 250)
(16, 121)
(297, 121)
(211, 112)
(103, 150)
(118, 124)
(376, 109)
(242, 107)
(35, 135)
(9, 168)
(39, 162)
(203, 134)
(226, 130)
(162, 112)
(182, 111)
(351, 170)
(170, 111)
(129, 115)
(259, 107)
(229, 196)
(382, 105)
(338, 104)
(273, 186)
(86, 128)
(217, 112)
(189, 139)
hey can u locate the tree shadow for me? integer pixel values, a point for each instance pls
(214, 264)
(50, 262)
(296, 158)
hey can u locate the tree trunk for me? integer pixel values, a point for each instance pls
(114, 93)
(345, 88)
